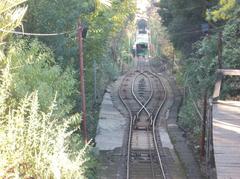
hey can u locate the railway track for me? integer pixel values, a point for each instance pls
(143, 95)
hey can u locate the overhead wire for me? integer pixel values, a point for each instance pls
(35, 34)
(183, 9)
(195, 31)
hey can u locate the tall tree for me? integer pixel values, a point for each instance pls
(183, 20)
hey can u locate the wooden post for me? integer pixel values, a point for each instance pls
(82, 87)
(95, 81)
(173, 59)
(202, 142)
(220, 47)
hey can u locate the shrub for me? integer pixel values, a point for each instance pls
(35, 140)
(33, 68)
(34, 143)
(188, 117)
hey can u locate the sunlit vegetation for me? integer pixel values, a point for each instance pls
(35, 144)
(40, 133)
(161, 46)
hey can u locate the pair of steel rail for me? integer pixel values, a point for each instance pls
(153, 119)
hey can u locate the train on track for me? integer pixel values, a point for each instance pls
(141, 45)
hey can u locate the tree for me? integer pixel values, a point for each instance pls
(34, 68)
(35, 141)
(57, 16)
(183, 20)
(224, 10)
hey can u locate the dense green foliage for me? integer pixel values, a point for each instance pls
(222, 11)
(183, 20)
(34, 143)
(35, 138)
(34, 68)
(39, 97)
(198, 65)
(161, 45)
(105, 23)
(55, 17)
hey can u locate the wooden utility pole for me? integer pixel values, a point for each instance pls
(220, 47)
(173, 60)
(202, 142)
(82, 86)
(95, 81)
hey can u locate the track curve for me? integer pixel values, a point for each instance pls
(135, 108)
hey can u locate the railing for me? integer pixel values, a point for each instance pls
(209, 157)
(220, 74)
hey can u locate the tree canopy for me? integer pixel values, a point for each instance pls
(183, 20)
(199, 51)
(40, 129)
